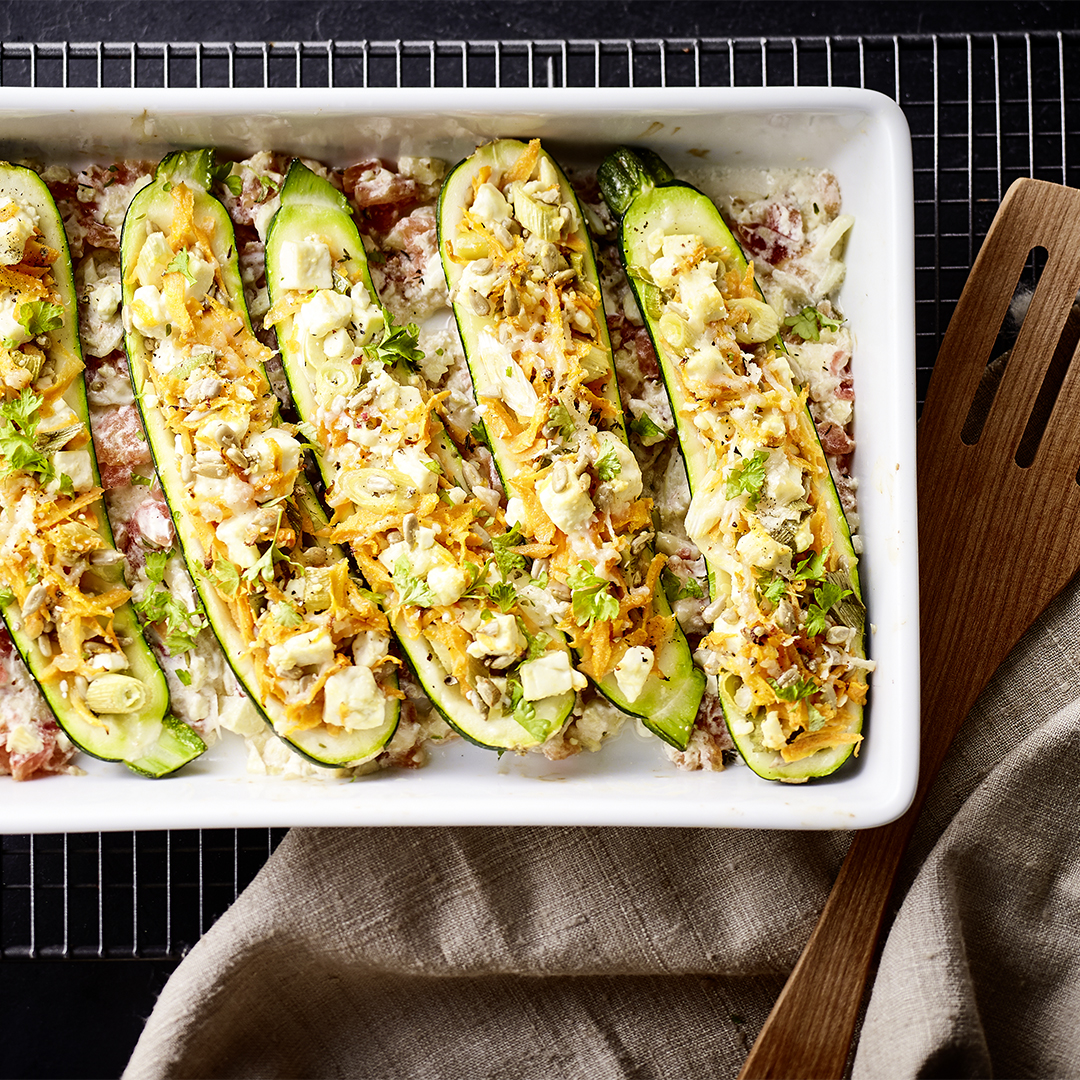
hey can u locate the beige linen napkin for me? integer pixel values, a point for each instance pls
(576, 952)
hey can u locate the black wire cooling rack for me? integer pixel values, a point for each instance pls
(984, 109)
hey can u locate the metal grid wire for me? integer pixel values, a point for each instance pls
(984, 109)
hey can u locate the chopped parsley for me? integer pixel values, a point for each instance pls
(479, 435)
(813, 567)
(398, 344)
(286, 615)
(560, 419)
(17, 447)
(800, 688)
(676, 589)
(826, 597)
(225, 576)
(771, 587)
(507, 560)
(644, 427)
(184, 676)
(748, 477)
(504, 594)
(809, 323)
(39, 317)
(158, 606)
(6, 596)
(608, 465)
(411, 589)
(589, 597)
(181, 264)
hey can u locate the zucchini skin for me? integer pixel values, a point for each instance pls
(669, 702)
(149, 741)
(643, 192)
(310, 206)
(322, 745)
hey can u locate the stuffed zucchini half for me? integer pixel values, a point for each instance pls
(63, 594)
(309, 645)
(526, 295)
(471, 619)
(787, 645)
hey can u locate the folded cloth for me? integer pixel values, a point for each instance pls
(577, 952)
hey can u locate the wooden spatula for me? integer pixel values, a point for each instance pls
(997, 540)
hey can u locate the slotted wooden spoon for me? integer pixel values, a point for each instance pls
(997, 542)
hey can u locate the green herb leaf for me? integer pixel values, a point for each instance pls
(813, 567)
(479, 435)
(141, 481)
(410, 588)
(826, 597)
(559, 418)
(644, 428)
(181, 627)
(184, 676)
(39, 317)
(801, 688)
(748, 477)
(507, 560)
(608, 465)
(809, 323)
(504, 594)
(181, 263)
(771, 587)
(17, 448)
(524, 712)
(589, 597)
(155, 565)
(398, 344)
(225, 577)
(677, 589)
(6, 596)
(817, 719)
(286, 615)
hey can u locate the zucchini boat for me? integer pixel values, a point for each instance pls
(787, 645)
(308, 645)
(63, 594)
(523, 282)
(454, 582)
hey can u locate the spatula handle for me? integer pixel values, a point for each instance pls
(808, 1032)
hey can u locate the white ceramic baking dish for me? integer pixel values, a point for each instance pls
(859, 135)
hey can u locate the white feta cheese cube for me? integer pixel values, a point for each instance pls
(633, 670)
(499, 636)
(625, 484)
(369, 647)
(549, 675)
(15, 231)
(759, 549)
(446, 583)
(75, 464)
(149, 312)
(570, 508)
(699, 294)
(413, 462)
(305, 265)
(783, 478)
(154, 255)
(199, 277)
(324, 312)
(353, 700)
(311, 648)
(490, 204)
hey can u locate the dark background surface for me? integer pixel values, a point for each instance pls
(80, 1017)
